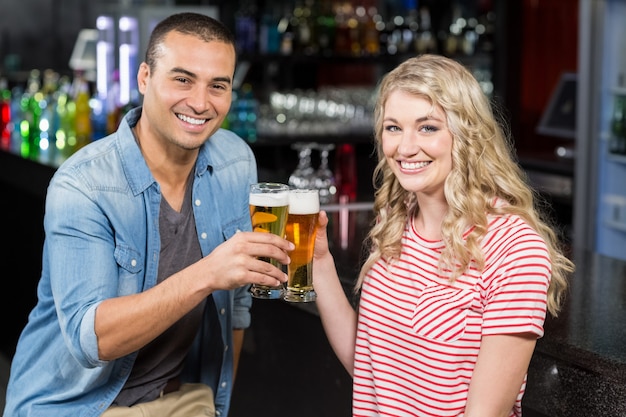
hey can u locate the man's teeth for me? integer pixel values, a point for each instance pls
(191, 120)
(413, 165)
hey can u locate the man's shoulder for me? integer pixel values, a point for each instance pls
(226, 148)
(103, 164)
(226, 139)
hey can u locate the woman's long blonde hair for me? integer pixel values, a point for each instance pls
(483, 170)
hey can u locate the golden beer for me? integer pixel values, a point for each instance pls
(269, 207)
(301, 229)
(269, 219)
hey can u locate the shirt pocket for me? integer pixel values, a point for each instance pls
(130, 266)
(441, 312)
(229, 231)
(237, 224)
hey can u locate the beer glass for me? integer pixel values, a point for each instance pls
(304, 207)
(269, 206)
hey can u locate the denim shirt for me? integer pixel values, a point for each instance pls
(102, 241)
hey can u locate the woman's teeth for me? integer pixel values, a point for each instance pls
(413, 165)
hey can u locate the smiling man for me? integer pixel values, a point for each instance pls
(143, 295)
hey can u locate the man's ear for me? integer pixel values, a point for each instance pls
(142, 77)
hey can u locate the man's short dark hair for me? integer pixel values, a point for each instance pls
(196, 24)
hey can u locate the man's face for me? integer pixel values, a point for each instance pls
(188, 94)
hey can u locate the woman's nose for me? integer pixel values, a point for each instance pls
(409, 144)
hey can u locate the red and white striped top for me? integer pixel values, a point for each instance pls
(418, 335)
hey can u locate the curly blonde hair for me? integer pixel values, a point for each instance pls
(484, 170)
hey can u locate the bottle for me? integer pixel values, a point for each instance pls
(5, 115)
(454, 39)
(425, 39)
(287, 33)
(99, 117)
(246, 27)
(242, 117)
(65, 112)
(113, 104)
(388, 34)
(16, 119)
(369, 32)
(342, 29)
(269, 36)
(34, 110)
(346, 173)
(82, 118)
(346, 180)
(47, 120)
(412, 24)
(325, 29)
(355, 19)
(305, 36)
(31, 113)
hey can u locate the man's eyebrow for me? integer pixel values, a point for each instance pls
(183, 71)
(223, 79)
(178, 70)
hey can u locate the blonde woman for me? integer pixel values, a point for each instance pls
(462, 265)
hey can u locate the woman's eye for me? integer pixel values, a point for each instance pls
(392, 128)
(429, 128)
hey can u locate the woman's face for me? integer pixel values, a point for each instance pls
(417, 143)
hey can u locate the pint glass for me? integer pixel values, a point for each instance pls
(304, 207)
(269, 206)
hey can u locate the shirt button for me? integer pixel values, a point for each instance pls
(223, 311)
(133, 262)
(197, 202)
(218, 413)
(223, 384)
(203, 235)
(226, 348)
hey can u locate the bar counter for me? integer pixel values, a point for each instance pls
(578, 368)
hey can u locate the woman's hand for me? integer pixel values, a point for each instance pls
(321, 238)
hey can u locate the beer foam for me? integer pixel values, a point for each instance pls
(304, 202)
(269, 199)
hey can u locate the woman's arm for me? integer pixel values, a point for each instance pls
(338, 317)
(499, 374)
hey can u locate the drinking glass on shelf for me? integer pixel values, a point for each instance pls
(302, 176)
(304, 208)
(323, 178)
(269, 207)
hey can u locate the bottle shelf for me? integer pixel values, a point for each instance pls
(287, 139)
(343, 58)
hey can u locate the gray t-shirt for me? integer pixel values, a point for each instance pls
(162, 359)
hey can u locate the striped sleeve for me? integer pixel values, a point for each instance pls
(515, 280)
